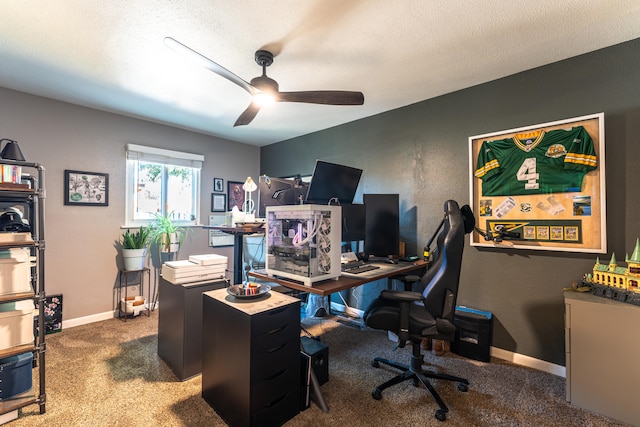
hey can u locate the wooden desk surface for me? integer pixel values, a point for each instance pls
(235, 230)
(327, 287)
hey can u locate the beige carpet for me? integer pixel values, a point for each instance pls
(109, 374)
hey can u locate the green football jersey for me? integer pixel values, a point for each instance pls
(536, 163)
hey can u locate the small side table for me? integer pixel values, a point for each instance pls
(238, 242)
(124, 277)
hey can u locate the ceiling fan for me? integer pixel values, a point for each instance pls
(264, 89)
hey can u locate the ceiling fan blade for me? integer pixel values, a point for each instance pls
(207, 63)
(248, 115)
(330, 97)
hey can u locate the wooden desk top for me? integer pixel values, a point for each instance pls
(236, 230)
(327, 287)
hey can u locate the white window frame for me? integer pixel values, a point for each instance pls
(135, 152)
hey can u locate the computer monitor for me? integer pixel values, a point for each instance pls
(274, 192)
(382, 237)
(333, 183)
(353, 223)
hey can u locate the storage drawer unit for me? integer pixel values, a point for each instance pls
(251, 358)
(602, 347)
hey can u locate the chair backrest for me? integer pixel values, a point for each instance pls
(440, 283)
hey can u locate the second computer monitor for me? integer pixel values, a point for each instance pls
(333, 184)
(353, 223)
(382, 237)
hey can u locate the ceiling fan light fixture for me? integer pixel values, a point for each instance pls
(263, 98)
(265, 90)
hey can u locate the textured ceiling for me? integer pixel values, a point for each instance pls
(110, 55)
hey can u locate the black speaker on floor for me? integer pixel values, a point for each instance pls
(319, 354)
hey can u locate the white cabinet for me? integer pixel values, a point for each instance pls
(602, 341)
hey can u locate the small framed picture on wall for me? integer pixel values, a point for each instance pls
(86, 188)
(218, 185)
(218, 202)
(235, 195)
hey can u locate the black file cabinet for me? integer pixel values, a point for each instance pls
(251, 358)
(180, 325)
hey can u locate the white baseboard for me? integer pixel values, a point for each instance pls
(9, 416)
(518, 359)
(89, 319)
(92, 318)
(530, 362)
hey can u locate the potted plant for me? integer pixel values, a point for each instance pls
(167, 234)
(134, 248)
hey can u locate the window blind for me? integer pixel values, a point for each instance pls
(166, 157)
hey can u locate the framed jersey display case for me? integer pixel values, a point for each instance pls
(541, 187)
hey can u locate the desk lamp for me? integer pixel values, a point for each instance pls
(249, 186)
(11, 150)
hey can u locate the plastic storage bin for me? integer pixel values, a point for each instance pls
(133, 305)
(15, 375)
(15, 271)
(473, 334)
(16, 324)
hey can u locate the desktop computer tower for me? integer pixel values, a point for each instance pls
(303, 242)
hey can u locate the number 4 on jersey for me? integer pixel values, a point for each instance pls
(527, 172)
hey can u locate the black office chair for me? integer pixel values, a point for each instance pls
(413, 316)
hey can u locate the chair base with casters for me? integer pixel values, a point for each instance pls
(417, 375)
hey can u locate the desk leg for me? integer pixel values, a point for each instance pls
(237, 258)
(148, 271)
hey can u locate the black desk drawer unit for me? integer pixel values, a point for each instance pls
(251, 358)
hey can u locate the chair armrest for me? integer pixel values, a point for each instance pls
(401, 295)
(404, 298)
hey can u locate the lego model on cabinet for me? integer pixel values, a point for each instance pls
(22, 286)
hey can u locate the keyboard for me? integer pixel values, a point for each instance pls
(357, 267)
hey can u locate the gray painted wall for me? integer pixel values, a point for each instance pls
(81, 259)
(421, 151)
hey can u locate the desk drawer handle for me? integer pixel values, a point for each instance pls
(275, 402)
(276, 311)
(276, 330)
(275, 375)
(274, 349)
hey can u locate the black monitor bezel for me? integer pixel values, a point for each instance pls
(327, 185)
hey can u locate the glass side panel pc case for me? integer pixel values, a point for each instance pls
(303, 242)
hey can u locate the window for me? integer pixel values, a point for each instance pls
(162, 182)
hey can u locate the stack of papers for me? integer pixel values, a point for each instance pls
(196, 269)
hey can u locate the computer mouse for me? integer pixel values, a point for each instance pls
(391, 261)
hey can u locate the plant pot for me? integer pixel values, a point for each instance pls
(174, 243)
(134, 259)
